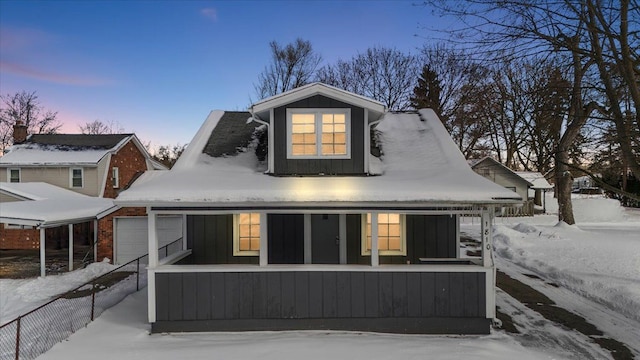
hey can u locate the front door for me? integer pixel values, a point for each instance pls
(325, 235)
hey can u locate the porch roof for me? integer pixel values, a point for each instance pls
(420, 165)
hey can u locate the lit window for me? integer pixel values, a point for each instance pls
(115, 176)
(318, 133)
(76, 178)
(334, 134)
(303, 134)
(247, 235)
(14, 175)
(391, 239)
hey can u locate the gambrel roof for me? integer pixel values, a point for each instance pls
(420, 166)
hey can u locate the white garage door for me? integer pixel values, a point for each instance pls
(131, 239)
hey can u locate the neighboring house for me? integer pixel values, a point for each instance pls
(539, 186)
(503, 176)
(93, 165)
(321, 234)
(585, 185)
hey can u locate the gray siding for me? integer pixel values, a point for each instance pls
(286, 238)
(284, 166)
(211, 239)
(428, 236)
(420, 302)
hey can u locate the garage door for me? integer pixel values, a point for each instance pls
(131, 239)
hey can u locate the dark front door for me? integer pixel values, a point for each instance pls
(325, 245)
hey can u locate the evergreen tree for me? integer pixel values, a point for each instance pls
(427, 93)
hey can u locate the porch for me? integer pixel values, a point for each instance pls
(361, 283)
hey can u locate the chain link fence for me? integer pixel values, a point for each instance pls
(37, 331)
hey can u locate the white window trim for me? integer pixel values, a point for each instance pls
(71, 178)
(318, 122)
(403, 239)
(9, 170)
(16, 226)
(115, 177)
(236, 239)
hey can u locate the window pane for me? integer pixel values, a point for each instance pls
(394, 243)
(255, 244)
(297, 150)
(340, 150)
(339, 118)
(303, 119)
(340, 138)
(394, 218)
(255, 230)
(245, 244)
(310, 139)
(339, 128)
(327, 138)
(310, 149)
(394, 229)
(245, 230)
(383, 218)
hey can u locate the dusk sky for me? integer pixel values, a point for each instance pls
(158, 67)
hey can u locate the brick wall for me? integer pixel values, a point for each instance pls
(130, 162)
(105, 230)
(19, 238)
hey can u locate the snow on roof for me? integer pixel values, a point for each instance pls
(53, 211)
(499, 168)
(421, 166)
(535, 178)
(63, 149)
(37, 191)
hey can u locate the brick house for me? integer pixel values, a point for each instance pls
(92, 165)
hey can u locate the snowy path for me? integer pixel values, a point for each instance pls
(612, 323)
(540, 333)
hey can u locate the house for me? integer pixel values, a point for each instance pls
(539, 186)
(321, 234)
(98, 166)
(503, 176)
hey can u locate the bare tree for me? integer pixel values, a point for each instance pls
(380, 73)
(98, 127)
(292, 65)
(591, 37)
(168, 154)
(24, 107)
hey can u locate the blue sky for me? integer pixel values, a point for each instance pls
(158, 67)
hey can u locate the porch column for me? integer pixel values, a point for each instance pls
(485, 229)
(153, 263)
(95, 240)
(342, 220)
(264, 234)
(42, 255)
(184, 232)
(374, 239)
(308, 256)
(153, 239)
(70, 247)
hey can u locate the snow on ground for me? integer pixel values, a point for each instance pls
(591, 268)
(126, 325)
(18, 296)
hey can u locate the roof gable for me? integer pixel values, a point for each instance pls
(375, 108)
(491, 162)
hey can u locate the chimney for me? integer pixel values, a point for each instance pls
(19, 132)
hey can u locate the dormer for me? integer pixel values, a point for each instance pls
(318, 129)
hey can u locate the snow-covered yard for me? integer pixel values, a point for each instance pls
(592, 269)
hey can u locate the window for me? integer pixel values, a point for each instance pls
(246, 240)
(318, 133)
(512, 188)
(77, 178)
(13, 175)
(391, 237)
(115, 177)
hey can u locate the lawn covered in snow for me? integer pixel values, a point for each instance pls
(592, 269)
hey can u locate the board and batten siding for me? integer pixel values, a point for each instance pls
(404, 302)
(211, 239)
(352, 166)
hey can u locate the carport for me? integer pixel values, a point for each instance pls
(50, 213)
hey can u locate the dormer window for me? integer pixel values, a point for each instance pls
(318, 133)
